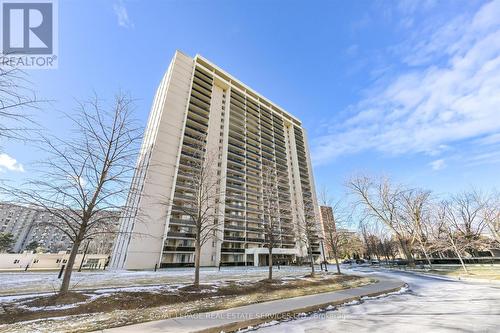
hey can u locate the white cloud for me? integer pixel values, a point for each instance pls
(411, 6)
(122, 14)
(438, 164)
(352, 50)
(435, 105)
(487, 156)
(9, 163)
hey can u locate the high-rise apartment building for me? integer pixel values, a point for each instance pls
(17, 220)
(326, 218)
(199, 103)
(29, 224)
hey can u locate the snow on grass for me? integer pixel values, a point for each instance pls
(12, 283)
(321, 313)
(156, 288)
(80, 323)
(14, 298)
(428, 305)
(91, 298)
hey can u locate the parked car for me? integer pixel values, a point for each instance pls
(360, 261)
(347, 262)
(375, 262)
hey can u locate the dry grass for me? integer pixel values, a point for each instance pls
(122, 308)
(484, 273)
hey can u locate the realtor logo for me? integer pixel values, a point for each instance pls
(29, 28)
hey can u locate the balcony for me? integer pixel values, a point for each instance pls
(235, 187)
(174, 234)
(256, 240)
(235, 207)
(177, 221)
(235, 102)
(228, 226)
(236, 161)
(178, 249)
(201, 83)
(233, 238)
(232, 250)
(240, 218)
(234, 196)
(254, 219)
(201, 94)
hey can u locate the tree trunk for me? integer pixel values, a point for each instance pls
(407, 252)
(312, 262)
(270, 262)
(69, 268)
(336, 259)
(197, 252)
(458, 254)
(426, 255)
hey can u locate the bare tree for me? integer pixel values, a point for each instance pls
(202, 197)
(308, 230)
(352, 247)
(491, 215)
(333, 217)
(87, 175)
(445, 238)
(15, 99)
(380, 201)
(272, 228)
(365, 236)
(370, 235)
(415, 204)
(464, 215)
(389, 246)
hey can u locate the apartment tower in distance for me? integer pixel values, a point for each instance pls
(197, 99)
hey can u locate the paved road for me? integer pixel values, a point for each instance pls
(431, 305)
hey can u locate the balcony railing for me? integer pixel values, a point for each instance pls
(178, 249)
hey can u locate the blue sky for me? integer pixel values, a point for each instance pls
(409, 89)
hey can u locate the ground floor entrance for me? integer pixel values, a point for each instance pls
(260, 256)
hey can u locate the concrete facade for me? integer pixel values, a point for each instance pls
(29, 224)
(49, 261)
(196, 99)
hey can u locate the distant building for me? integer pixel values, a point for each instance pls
(18, 221)
(199, 104)
(28, 224)
(326, 217)
(49, 261)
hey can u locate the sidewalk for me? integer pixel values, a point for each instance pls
(254, 314)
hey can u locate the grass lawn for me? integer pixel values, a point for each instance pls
(16, 283)
(87, 311)
(484, 272)
(476, 272)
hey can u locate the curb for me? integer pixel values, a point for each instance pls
(233, 327)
